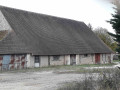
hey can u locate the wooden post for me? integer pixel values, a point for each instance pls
(48, 60)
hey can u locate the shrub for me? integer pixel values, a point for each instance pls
(106, 80)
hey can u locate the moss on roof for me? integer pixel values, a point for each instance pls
(3, 34)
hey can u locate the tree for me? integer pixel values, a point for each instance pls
(115, 22)
(90, 26)
(102, 33)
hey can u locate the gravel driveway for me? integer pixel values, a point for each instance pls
(35, 80)
(46, 80)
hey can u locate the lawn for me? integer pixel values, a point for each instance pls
(64, 68)
(116, 60)
(96, 65)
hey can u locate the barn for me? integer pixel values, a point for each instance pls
(38, 40)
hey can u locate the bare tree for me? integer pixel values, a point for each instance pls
(90, 26)
(102, 33)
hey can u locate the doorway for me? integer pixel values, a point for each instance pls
(97, 58)
(37, 61)
(72, 59)
(6, 61)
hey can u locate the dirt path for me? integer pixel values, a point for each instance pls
(35, 80)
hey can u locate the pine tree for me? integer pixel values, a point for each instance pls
(115, 22)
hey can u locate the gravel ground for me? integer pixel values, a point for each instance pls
(35, 80)
(46, 80)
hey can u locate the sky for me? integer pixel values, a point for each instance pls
(95, 12)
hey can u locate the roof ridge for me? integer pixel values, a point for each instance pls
(30, 12)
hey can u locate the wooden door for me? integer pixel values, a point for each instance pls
(72, 59)
(97, 58)
(6, 61)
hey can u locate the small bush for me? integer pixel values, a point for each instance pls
(106, 80)
(110, 80)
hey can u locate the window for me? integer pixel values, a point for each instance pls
(37, 59)
(56, 57)
(85, 55)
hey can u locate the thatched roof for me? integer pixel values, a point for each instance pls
(48, 35)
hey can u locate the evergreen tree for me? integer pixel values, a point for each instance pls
(115, 22)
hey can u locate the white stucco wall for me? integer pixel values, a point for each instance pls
(30, 61)
(78, 59)
(67, 59)
(43, 61)
(112, 57)
(102, 58)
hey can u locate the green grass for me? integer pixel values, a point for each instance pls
(96, 65)
(68, 68)
(116, 60)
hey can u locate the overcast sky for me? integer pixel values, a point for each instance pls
(95, 12)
